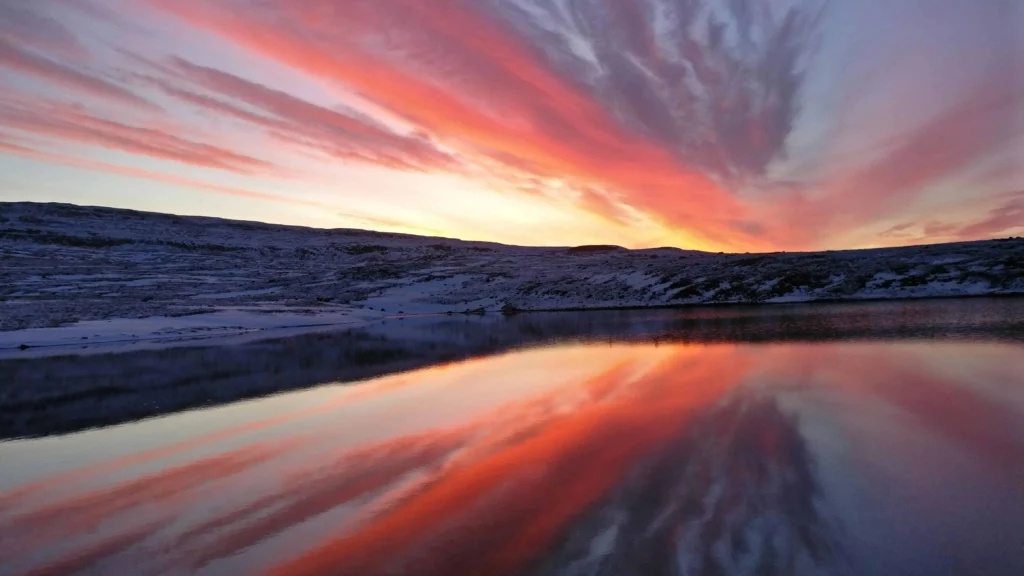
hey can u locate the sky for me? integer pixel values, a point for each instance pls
(730, 125)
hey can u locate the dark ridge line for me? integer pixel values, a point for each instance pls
(268, 226)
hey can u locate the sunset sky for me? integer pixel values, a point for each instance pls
(737, 125)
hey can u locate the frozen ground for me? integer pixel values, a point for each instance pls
(122, 334)
(81, 279)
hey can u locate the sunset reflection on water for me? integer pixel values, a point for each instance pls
(573, 459)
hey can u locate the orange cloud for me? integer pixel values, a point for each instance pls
(502, 102)
(681, 117)
(298, 122)
(1006, 217)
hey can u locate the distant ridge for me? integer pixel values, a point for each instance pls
(61, 264)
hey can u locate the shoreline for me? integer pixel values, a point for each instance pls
(90, 279)
(691, 305)
(39, 343)
(69, 392)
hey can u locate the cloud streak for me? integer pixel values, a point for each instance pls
(76, 124)
(502, 101)
(66, 77)
(13, 148)
(31, 25)
(689, 116)
(340, 135)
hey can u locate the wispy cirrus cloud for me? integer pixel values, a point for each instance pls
(25, 150)
(74, 123)
(951, 142)
(660, 130)
(689, 117)
(345, 136)
(32, 25)
(1003, 217)
(24, 62)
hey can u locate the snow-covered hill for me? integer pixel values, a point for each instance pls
(86, 275)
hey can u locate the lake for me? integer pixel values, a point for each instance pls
(871, 438)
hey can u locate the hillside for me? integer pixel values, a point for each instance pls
(65, 271)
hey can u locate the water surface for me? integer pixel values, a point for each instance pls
(653, 456)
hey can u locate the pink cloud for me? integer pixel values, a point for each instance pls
(499, 99)
(28, 63)
(345, 135)
(64, 160)
(1007, 217)
(676, 112)
(956, 139)
(75, 123)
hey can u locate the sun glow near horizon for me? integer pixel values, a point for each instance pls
(698, 125)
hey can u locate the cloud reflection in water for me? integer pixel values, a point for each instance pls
(584, 459)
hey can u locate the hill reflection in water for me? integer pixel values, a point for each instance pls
(785, 458)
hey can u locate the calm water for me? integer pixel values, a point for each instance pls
(889, 455)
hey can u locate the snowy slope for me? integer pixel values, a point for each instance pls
(65, 267)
